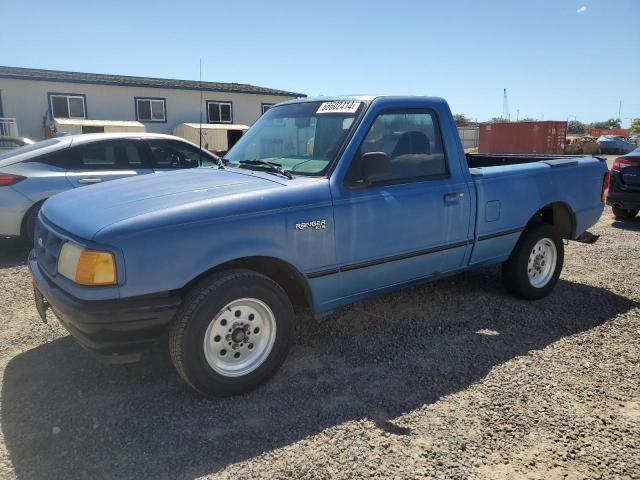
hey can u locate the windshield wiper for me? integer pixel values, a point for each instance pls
(266, 166)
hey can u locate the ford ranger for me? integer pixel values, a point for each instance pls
(322, 203)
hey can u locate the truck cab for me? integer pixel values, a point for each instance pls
(323, 202)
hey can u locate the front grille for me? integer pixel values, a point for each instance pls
(47, 246)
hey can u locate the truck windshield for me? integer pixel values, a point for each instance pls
(301, 137)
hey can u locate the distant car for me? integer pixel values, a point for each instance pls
(9, 143)
(624, 188)
(32, 173)
(613, 144)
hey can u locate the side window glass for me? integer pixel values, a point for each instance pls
(61, 159)
(110, 156)
(411, 140)
(171, 154)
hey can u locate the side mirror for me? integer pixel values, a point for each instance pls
(374, 166)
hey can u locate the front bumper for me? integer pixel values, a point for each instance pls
(117, 331)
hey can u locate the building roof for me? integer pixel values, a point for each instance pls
(128, 81)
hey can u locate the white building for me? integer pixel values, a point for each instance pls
(96, 102)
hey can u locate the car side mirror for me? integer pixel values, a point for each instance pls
(374, 166)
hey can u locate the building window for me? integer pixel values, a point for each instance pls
(67, 105)
(219, 112)
(266, 106)
(151, 109)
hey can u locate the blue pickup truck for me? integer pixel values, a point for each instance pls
(322, 203)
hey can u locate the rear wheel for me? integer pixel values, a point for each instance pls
(624, 213)
(232, 333)
(535, 264)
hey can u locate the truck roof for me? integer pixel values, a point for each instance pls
(361, 98)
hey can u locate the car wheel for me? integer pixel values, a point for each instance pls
(232, 333)
(29, 222)
(624, 213)
(535, 264)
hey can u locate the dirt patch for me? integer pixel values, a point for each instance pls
(454, 379)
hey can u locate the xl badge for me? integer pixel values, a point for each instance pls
(315, 224)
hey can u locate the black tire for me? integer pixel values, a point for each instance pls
(624, 213)
(515, 271)
(200, 308)
(29, 222)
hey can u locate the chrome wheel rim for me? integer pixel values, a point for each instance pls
(542, 262)
(240, 337)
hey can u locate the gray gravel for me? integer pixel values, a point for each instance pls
(454, 379)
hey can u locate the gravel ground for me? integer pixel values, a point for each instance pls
(454, 379)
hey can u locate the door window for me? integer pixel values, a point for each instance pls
(172, 154)
(110, 156)
(413, 143)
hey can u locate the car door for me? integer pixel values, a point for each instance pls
(167, 154)
(106, 160)
(411, 224)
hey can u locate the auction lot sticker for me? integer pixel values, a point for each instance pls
(342, 106)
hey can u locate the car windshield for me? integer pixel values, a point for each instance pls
(29, 148)
(303, 138)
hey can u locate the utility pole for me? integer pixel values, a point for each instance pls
(505, 106)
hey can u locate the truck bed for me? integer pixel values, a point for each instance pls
(476, 160)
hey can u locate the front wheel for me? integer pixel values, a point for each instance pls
(624, 213)
(232, 333)
(535, 264)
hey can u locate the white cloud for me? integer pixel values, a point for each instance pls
(582, 9)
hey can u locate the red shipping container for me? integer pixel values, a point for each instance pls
(618, 132)
(523, 137)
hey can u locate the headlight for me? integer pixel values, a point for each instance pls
(86, 267)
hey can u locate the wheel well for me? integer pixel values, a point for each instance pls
(23, 224)
(283, 273)
(559, 215)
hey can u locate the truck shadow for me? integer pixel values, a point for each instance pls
(377, 360)
(13, 252)
(632, 224)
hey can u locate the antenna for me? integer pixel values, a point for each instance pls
(505, 107)
(200, 129)
(619, 108)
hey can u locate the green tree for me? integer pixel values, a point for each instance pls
(635, 125)
(574, 127)
(498, 120)
(614, 123)
(462, 120)
(611, 123)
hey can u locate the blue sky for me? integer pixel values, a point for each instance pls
(555, 57)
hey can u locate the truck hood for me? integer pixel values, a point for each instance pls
(85, 211)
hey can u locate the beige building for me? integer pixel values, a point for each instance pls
(87, 103)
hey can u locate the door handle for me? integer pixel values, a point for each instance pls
(89, 180)
(453, 197)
